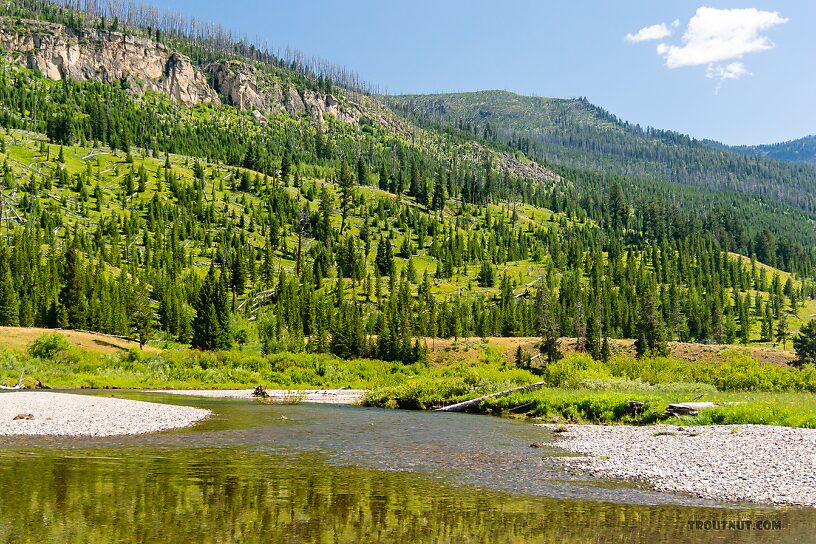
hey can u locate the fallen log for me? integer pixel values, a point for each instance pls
(517, 409)
(463, 406)
(687, 408)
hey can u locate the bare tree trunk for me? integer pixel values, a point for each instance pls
(463, 406)
(15, 387)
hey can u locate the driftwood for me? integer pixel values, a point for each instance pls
(14, 387)
(463, 406)
(686, 408)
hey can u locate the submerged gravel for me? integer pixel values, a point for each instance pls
(65, 414)
(742, 463)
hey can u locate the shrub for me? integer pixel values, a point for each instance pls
(574, 369)
(48, 345)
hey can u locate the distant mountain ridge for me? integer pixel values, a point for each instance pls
(579, 134)
(802, 150)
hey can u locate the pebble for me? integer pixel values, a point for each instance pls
(317, 396)
(66, 414)
(742, 463)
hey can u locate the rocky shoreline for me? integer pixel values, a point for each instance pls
(293, 396)
(739, 463)
(26, 413)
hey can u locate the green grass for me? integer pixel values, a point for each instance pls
(588, 406)
(732, 371)
(582, 390)
(577, 389)
(74, 367)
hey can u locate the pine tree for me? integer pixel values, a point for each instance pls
(548, 325)
(141, 312)
(438, 200)
(323, 228)
(211, 325)
(487, 274)
(782, 333)
(651, 336)
(618, 207)
(361, 171)
(384, 260)
(72, 301)
(347, 334)
(767, 324)
(383, 183)
(9, 302)
(285, 169)
(346, 193)
(805, 345)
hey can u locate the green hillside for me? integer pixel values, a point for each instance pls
(576, 133)
(330, 223)
(802, 150)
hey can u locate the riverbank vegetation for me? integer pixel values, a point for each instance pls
(638, 391)
(58, 363)
(577, 388)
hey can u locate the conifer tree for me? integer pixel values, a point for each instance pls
(285, 169)
(211, 324)
(618, 208)
(438, 200)
(548, 325)
(805, 345)
(651, 336)
(361, 170)
(9, 302)
(782, 333)
(487, 274)
(384, 260)
(72, 302)
(141, 312)
(347, 334)
(346, 183)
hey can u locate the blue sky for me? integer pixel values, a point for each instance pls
(763, 92)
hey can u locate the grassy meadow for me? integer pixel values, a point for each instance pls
(577, 388)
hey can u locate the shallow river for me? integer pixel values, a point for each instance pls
(316, 473)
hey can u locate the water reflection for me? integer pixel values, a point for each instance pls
(340, 475)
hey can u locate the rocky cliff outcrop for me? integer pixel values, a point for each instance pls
(60, 52)
(249, 89)
(238, 83)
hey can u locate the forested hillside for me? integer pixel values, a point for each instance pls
(579, 134)
(802, 150)
(296, 208)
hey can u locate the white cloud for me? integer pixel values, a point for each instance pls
(734, 70)
(716, 35)
(715, 38)
(648, 33)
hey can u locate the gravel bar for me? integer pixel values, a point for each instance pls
(24, 413)
(741, 463)
(318, 396)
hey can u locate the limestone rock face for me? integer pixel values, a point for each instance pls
(59, 52)
(249, 89)
(317, 104)
(238, 83)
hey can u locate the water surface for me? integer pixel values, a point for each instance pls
(316, 473)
